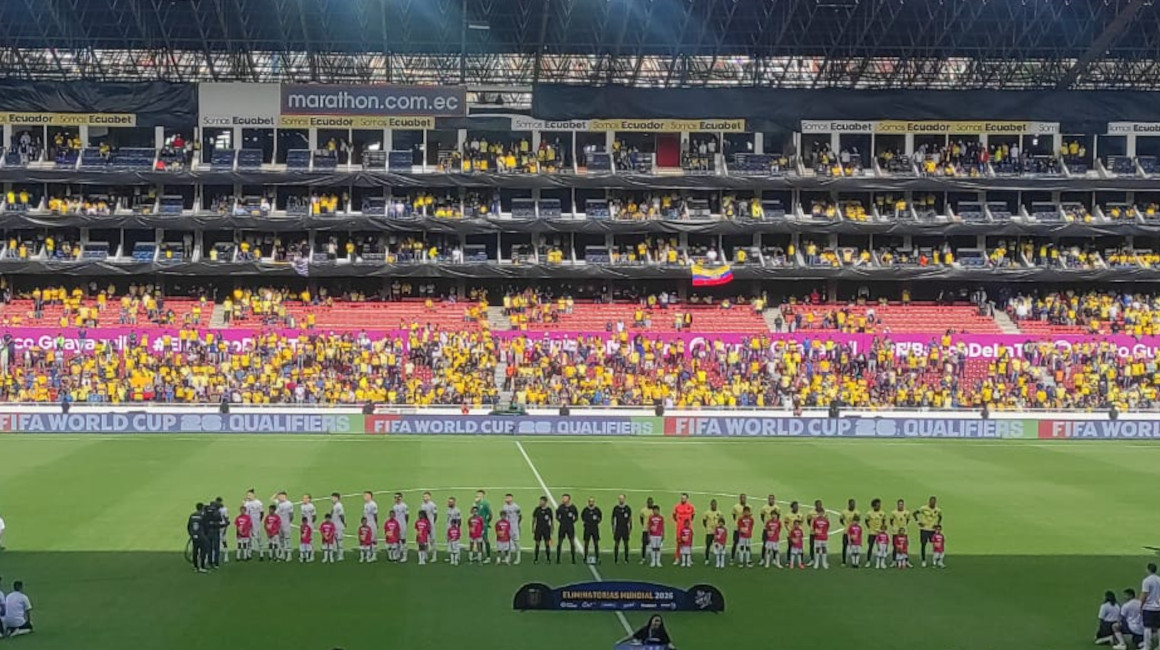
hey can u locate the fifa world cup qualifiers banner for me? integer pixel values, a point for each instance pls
(141, 422)
(1102, 429)
(847, 427)
(520, 425)
(619, 596)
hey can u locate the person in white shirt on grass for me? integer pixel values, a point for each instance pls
(309, 512)
(17, 611)
(454, 516)
(402, 513)
(1108, 632)
(428, 506)
(1150, 604)
(371, 514)
(253, 507)
(1132, 619)
(338, 516)
(285, 512)
(511, 511)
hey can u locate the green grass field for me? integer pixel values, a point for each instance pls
(1035, 533)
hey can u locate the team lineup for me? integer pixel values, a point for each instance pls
(877, 538)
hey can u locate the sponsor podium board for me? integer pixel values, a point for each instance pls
(619, 596)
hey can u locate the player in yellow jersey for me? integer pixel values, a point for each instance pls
(899, 521)
(875, 521)
(847, 517)
(709, 522)
(769, 511)
(928, 517)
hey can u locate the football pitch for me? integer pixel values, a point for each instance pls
(1035, 533)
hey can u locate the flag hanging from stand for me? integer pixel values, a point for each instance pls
(712, 276)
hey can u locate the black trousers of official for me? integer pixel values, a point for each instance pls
(924, 539)
(643, 545)
(592, 535)
(570, 535)
(845, 545)
(736, 539)
(619, 538)
(545, 537)
(215, 550)
(201, 552)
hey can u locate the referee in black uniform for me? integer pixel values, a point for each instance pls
(566, 516)
(592, 516)
(542, 529)
(195, 527)
(621, 528)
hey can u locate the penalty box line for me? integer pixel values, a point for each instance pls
(552, 499)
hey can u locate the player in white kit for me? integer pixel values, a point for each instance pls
(401, 513)
(308, 511)
(253, 507)
(428, 506)
(371, 514)
(338, 517)
(285, 511)
(454, 520)
(511, 511)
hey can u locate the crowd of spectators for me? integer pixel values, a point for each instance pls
(426, 366)
(637, 370)
(1096, 312)
(481, 155)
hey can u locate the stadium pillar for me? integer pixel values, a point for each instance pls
(758, 142)
(537, 138)
(158, 137)
(1129, 151)
(908, 144)
(387, 141)
(460, 139)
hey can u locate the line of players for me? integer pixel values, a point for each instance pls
(882, 548)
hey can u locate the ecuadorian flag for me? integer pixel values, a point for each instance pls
(712, 276)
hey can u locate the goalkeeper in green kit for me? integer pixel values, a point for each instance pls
(484, 508)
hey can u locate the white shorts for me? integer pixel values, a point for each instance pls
(821, 545)
(305, 548)
(13, 623)
(365, 547)
(453, 546)
(274, 541)
(329, 547)
(476, 541)
(718, 548)
(243, 542)
(338, 535)
(686, 550)
(655, 542)
(503, 547)
(793, 550)
(745, 543)
(771, 546)
(394, 546)
(883, 550)
(284, 535)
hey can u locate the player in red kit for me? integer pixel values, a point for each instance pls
(772, 542)
(685, 542)
(503, 541)
(329, 534)
(392, 536)
(453, 534)
(656, 536)
(423, 536)
(305, 541)
(366, 542)
(720, 542)
(820, 532)
(854, 542)
(901, 549)
(940, 545)
(273, 526)
(796, 540)
(745, 538)
(475, 536)
(243, 533)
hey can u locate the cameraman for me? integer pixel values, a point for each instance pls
(198, 532)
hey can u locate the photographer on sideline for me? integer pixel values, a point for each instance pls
(198, 532)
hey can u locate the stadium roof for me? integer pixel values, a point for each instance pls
(512, 43)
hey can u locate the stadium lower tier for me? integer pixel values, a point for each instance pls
(423, 365)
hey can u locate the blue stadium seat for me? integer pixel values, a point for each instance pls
(250, 158)
(298, 159)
